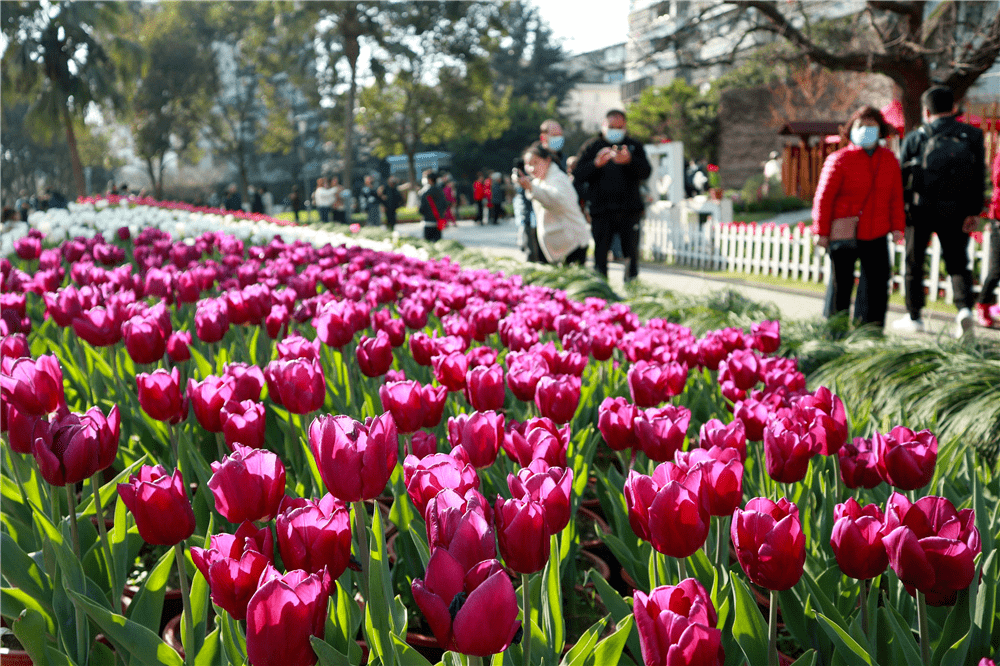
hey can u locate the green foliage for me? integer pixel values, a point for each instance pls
(677, 112)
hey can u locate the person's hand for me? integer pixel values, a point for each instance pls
(623, 156)
(823, 241)
(524, 181)
(604, 155)
(971, 224)
(897, 236)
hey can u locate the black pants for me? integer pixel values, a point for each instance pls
(340, 215)
(479, 211)
(431, 231)
(988, 296)
(577, 256)
(390, 218)
(873, 286)
(324, 214)
(954, 251)
(604, 226)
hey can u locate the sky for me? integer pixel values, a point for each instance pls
(585, 26)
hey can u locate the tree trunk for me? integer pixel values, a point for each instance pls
(74, 154)
(351, 47)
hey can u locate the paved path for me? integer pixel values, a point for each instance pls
(501, 240)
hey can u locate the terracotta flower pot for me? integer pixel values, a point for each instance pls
(172, 634)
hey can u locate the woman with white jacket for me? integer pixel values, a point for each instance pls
(563, 233)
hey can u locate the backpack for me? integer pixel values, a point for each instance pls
(947, 165)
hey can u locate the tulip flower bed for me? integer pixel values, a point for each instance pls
(335, 447)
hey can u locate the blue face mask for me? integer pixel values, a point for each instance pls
(614, 136)
(865, 136)
(556, 142)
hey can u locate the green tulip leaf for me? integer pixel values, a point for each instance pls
(210, 652)
(618, 607)
(956, 626)
(955, 654)
(749, 628)
(610, 649)
(233, 642)
(905, 641)
(850, 650)
(406, 655)
(16, 601)
(582, 653)
(328, 655)
(552, 616)
(23, 572)
(30, 629)
(807, 659)
(146, 608)
(128, 636)
(985, 611)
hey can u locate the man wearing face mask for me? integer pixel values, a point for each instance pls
(860, 187)
(944, 171)
(613, 166)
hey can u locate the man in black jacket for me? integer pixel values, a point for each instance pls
(432, 205)
(943, 186)
(614, 166)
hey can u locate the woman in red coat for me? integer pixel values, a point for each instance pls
(862, 180)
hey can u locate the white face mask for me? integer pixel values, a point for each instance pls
(865, 136)
(614, 135)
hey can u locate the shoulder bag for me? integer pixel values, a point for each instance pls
(844, 230)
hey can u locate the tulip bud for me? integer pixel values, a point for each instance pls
(769, 543)
(450, 370)
(480, 434)
(211, 320)
(315, 535)
(616, 421)
(485, 388)
(207, 399)
(282, 615)
(423, 444)
(905, 459)
(677, 626)
(248, 484)
(33, 386)
(355, 459)
(522, 534)
(857, 540)
(79, 446)
(374, 354)
(298, 385)
(483, 620)
(858, 468)
(160, 395)
(144, 340)
(159, 505)
(557, 398)
(404, 400)
(179, 346)
(551, 487)
(426, 477)
(661, 431)
(788, 448)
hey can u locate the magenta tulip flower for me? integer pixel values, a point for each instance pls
(315, 534)
(159, 504)
(857, 540)
(462, 525)
(282, 615)
(355, 459)
(715, 433)
(769, 542)
(249, 484)
(616, 421)
(426, 477)
(160, 395)
(243, 423)
(669, 509)
(480, 434)
(858, 467)
(522, 534)
(78, 446)
(233, 566)
(661, 431)
(33, 386)
(374, 354)
(904, 458)
(676, 626)
(298, 385)
(404, 400)
(552, 487)
(557, 398)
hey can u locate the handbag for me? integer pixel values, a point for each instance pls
(846, 228)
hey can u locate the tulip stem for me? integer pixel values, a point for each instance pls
(772, 631)
(720, 534)
(187, 638)
(526, 623)
(925, 636)
(103, 531)
(220, 443)
(174, 445)
(81, 617)
(864, 607)
(682, 569)
(474, 661)
(361, 527)
(838, 488)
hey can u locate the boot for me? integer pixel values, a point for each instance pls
(983, 317)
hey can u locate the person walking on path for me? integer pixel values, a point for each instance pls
(233, 199)
(479, 195)
(295, 201)
(338, 204)
(614, 165)
(988, 295)
(943, 168)
(861, 180)
(432, 204)
(370, 200)
(256, 201)
(391, 201)
(562, 229)
(498, 194)
(323, 198)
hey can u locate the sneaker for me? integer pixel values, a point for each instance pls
(909, 325)
(963, 322)
(983, 316)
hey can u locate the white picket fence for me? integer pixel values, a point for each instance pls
(786, 252)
